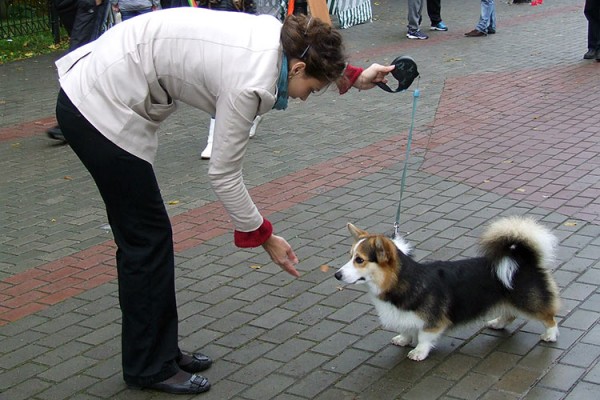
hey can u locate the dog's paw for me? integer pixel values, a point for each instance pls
(401, 340)
(418, 354)
(551, 334)
(499, 323)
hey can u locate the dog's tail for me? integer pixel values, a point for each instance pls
(518, 242)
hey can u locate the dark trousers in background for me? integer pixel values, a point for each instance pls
(434, 10)
(592, 14)
(145, 256)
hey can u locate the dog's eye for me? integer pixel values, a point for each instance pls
(359, 260)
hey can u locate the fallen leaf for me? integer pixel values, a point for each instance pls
(507, 162)
(324, 268)
(521, 190)
(570, 223)
(68, 178)
(173, 202)
(255, 267)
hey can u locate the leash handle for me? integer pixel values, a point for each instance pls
(405, 72)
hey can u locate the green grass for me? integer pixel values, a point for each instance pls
(22, 47)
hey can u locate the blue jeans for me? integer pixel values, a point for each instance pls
(125, 15)
(488, 16)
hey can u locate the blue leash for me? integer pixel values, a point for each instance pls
(405, 72)
(416, 95)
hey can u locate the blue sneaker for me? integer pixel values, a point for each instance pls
(416, 35)
(440, 26)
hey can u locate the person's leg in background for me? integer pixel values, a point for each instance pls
(85, 27)
(66, 9)
(434, 11)
(207, 152)
(488, 11)
(487, 20)
(415, 10)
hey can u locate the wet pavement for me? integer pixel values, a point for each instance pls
(504, 125)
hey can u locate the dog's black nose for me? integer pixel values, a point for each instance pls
(338, 276)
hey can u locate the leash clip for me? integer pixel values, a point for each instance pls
(396, 230)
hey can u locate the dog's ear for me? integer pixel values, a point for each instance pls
(381, 250)
(356, 232)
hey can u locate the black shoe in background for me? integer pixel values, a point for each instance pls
(56, 134)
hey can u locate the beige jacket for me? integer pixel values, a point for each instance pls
(227, 64)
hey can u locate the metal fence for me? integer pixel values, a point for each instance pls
(24, 17)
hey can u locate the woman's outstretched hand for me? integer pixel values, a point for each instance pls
(282, 254)
(370, 76)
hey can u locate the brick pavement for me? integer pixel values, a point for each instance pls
(506, 124)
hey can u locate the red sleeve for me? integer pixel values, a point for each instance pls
(254, 238)
(351, 74)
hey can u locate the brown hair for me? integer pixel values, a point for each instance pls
(317, 44)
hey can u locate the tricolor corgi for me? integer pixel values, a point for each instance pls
(422, 300)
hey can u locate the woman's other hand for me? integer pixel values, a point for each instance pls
(282, 254)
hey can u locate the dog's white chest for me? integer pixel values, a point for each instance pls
(399, 320)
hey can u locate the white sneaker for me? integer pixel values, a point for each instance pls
(255, 125)
(207, 152)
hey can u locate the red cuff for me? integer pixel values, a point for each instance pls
(351, 74)
(254, 238)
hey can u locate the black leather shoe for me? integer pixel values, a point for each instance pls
(196, 384)
(199, 363)
(590, 55)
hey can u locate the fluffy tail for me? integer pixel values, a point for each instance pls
(515, 242)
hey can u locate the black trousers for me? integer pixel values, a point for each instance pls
(434, 11)
(591, 11)
(145, 256)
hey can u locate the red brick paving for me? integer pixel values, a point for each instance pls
(505, 133)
